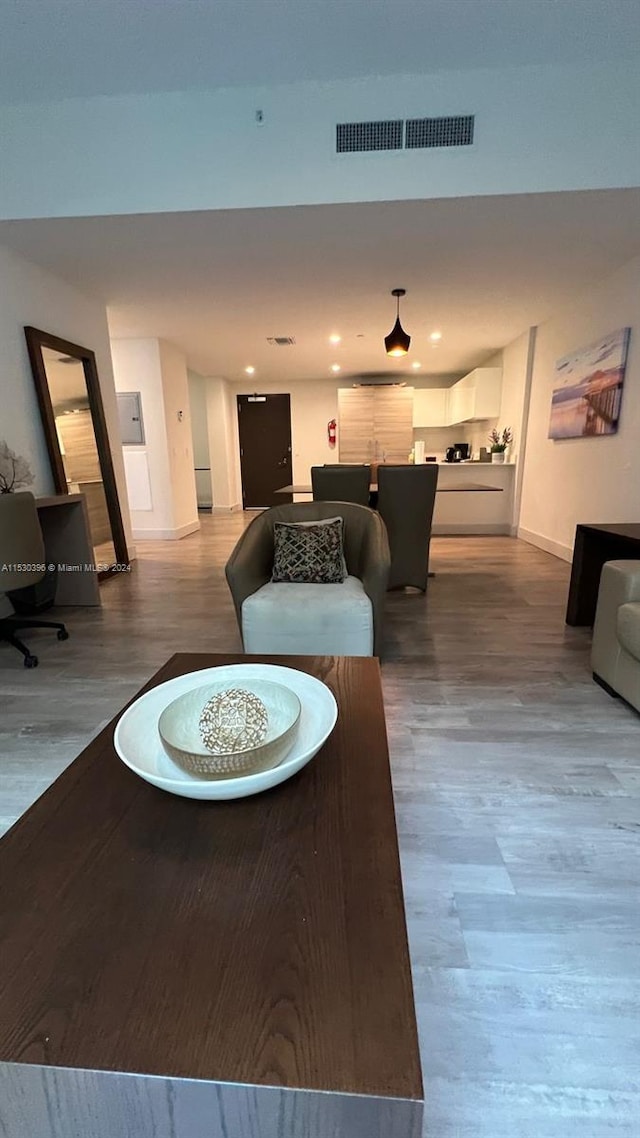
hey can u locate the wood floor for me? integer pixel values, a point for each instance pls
(517, 786)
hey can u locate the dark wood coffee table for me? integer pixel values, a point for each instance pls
(182, 969)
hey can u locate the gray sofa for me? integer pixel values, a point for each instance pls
(310, 619)
(615, 653)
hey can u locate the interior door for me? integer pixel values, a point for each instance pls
(264, 425)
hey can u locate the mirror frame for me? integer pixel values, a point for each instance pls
(36, 341)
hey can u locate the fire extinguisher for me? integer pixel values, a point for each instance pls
(331, 432)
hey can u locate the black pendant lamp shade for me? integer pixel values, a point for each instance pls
(397, 342)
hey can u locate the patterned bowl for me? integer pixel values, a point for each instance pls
(179, 731)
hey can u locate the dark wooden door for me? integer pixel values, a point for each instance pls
(264, 423)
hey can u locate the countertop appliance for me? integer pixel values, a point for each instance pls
(465, 450)
(453, 454)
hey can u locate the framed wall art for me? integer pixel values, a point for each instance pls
(587, 390)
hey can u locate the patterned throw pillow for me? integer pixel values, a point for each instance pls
(308, 552)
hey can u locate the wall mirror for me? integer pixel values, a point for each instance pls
(66, 379)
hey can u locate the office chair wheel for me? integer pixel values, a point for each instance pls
(63, 634)
(31, 661)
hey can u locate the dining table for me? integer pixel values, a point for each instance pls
(462, 487)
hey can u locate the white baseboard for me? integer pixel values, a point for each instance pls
(234, 509)
(565, 552)
(166, 534)
(491, 529)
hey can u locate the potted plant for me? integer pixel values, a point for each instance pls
(14, 470)
(499, 443)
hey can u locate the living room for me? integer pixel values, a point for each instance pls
(515, 777)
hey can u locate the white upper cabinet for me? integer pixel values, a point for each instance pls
(430, 407)
(476, 396)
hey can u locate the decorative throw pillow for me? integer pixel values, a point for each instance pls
(308, 552)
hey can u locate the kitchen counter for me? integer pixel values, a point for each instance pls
(469, 513)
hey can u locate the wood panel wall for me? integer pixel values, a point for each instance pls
(375, 423)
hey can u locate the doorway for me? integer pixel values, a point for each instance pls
(264, 428)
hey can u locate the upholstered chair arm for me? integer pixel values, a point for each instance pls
(375, 562)
(619, 584)
(250, 564)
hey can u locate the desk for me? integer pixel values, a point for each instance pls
(594, 545)
(461, 488)
(202, 969)
(67, 541)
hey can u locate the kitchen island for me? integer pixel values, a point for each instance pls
(474, 513)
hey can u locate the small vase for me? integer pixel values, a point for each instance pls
(497, 456)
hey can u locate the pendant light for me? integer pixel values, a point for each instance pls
(397, 342)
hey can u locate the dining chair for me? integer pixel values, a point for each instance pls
(341, 483)
(406, 498)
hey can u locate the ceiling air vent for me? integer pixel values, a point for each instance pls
(281, 341)
(456, 130)
(359, 136)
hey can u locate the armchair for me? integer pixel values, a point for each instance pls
(615, 651)
(311, 619)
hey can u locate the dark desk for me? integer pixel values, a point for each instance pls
(202, 969)
(594, 545)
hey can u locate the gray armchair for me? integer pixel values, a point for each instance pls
(311, 619)
(615, 651)
(21, 544)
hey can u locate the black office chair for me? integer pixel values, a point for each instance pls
(22, 566)
(341, 484)
(406, 498)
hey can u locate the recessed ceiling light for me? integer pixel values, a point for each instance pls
(416, 364)
(435, 336)
(335, 367)
(334, 338)
(250, 370)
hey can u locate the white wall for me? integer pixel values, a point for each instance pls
(538, 129)
(200, 438)
(223, 445)
(158, 371)
(177, 412)
(514, 376)
(586, 479)
(30, 295)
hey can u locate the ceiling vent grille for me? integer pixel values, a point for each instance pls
(358, 136)
(281, 341)
(396, 134)
(456, 130)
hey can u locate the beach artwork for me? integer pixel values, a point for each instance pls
(587, 390)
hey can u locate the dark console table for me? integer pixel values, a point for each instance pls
(593, 546)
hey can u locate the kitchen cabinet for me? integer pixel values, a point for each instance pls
(375, 423)
(430, 407)
(476, 396)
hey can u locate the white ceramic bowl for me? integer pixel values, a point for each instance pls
(138, 745)
(179, 731)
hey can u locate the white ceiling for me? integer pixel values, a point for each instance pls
(217, 284)
(59, 48)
